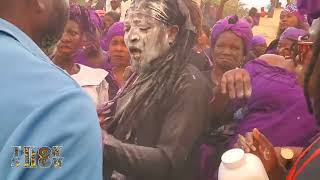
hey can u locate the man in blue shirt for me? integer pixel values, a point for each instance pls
(40, 105)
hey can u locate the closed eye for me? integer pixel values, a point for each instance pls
(145, 28)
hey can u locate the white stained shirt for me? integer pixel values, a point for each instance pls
(93, 82)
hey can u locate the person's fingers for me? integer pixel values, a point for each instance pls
(261, 138)
(239, 84)
(242, 143)
(266, 149)
(277, 151)
(250, 141)
(249, 138)
(247, 85)
(230, 86)
(223, 85)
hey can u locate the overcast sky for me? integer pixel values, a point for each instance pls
(259, 3)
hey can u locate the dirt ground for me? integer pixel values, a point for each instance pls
(268, 26)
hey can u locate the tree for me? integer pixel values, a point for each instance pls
(233, 7)
(81, 1)
(100, 4)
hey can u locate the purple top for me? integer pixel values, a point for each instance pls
(277, 107)
(81, 58)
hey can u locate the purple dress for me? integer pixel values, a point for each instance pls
(277, 107)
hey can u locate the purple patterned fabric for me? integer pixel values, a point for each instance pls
(238, 26)
(117, 29)
(277, 107)
(84, 17)
(292, 33)
(75, 13)
(96, 20)
(258, 40)
(293, 9)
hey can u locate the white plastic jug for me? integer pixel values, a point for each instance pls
(237, 165)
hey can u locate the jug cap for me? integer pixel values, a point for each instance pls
(233, 158)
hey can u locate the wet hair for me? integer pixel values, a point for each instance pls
(115, 16)
(165, 73)
(309, 73)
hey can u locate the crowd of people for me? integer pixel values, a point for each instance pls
(158, 91)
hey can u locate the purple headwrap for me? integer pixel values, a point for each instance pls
(117, 29)
(309, 7)
(293, 9)
(81, 16)
(232, 23)
(96, 20)
(258, 40)
(292, 33)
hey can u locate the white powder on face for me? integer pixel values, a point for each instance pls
(146, 38)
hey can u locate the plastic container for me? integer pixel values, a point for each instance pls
(237, 165)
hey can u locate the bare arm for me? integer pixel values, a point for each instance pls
(220, 9)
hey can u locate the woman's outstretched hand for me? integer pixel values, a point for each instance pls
(236, 84)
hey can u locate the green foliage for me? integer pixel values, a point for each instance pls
(233, 7)
(81, 1)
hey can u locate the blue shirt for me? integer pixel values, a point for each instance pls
(40, 105)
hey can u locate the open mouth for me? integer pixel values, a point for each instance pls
(117, 57)
(225, 59)
(135, 52)
(64, 46)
